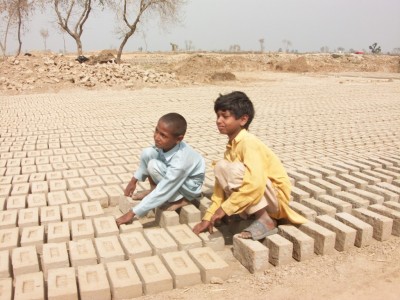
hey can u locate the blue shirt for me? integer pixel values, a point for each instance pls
(185, 171)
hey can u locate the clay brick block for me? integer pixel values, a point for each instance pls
(82, 229)
(92, 209)
(57, 185)
(108, 249)
(124, 281)
(40, 187)
(298, 194)
(9, 238)
(82, 253)
(280, 249)
(76, 196)
(392, 205)
(53, 176)
(20, 189)
(385, 193)
(310, 188)
(93, 283)
(55, 255)
(213, 240)
(368, 178)
(303, 245)
(105, 226)
(329, 187)
(189, 214)
(24, 260)
(5, 264)
(61, 284)
(382, 225)
(183, 270)
(58, 232)
(320, 207)
(184, 237)
(390, 187)
(94, 181)
(297, 176)
(33, 236)
(3, 203)
(76, 183)
(354, 200)
(49, 214)
(251, 254)
(204, 205)
(324, 239)
(16, 202)
(126, 203)
(98, 194)
(340, 205)
(371, 197)
(57, 198)
(5, 190)
(8, 219)
(160, 241)
(135, 245)
(364, 230)
(359, 183)
(6, 289)
(36, 200)
(29, 286)
(71, 212)
(303, 210)
(390, 213)
(154, 275)
(344, 185)
(166, 218)
(210, 264)
(113, 192)
(381, 176)
(135, 226)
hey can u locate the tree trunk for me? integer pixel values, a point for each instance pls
(78, 45)
(19, 28)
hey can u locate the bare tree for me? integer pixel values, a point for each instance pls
(45, 34)
(261, 45)
(133, 11)
(7, 15)
(189, 45)
(286, 44)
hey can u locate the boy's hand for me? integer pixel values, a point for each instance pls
(202, 226)
(219, 214)
(130, 188)
(126, 218)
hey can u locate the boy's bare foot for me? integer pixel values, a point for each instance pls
(141, 195)
(177, 204)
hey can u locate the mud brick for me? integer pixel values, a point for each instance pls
(124, 281)
(92, 209)
(30, 169)
(389, 187)
(298, 194)
(67, 174)
(108, 249)
(364, 230)
(36, 200)
(396, 182)
(6, 180)
(359, 183)
(71, 212)
(2, 203)
(93, 283)
(37, 177)
(49, 214)
(344, 185)
(82, 253)
(340, 205)
(303, 245)
(58, 185)
(354, 200)
(392, 205)
(135, 245)
(8, 219)
(105, 226)
(29, 286)
(390, 213)
(13, 171)
(28, 217)
(86, 172)
(16, 202)
(310, 188)
(213, 240)
(166, 218)
(189, 214)
(56, 175)
(160, 241)
(324, 239)
(5, 190)
(371, 197)
(113, 192)
(329, 187)
(125, 177)
(9, 238)
(45, 168)
(371, 163)
(320, 207)
(210, 264)
(61, 284)
(24, 260)
(382, 225)
(385, 193)
(55, 255)
(125, 204)
(82, 229)
(89, 163)
(309, 173)
(5, 265)
(361, 166)
(368, 178)
(33, 236)
(135, 226)
(101, 170)
(303, 210)
(390, 171)
(111, 179)
(381, 176)
(98, 194)
(76, 196)
(6, 288)
(58, 232)
(93, 181)
(20, 189)
(76, 183)
(251, 254)
(57, 198)
(184, 236)
(297, 175)
(204, 205)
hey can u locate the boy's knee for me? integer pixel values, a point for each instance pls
(148, 153)
(156, 169)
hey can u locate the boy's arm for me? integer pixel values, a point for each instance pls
(217, 198)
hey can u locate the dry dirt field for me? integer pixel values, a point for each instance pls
(362, 93)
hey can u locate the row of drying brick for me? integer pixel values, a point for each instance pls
(122, 279)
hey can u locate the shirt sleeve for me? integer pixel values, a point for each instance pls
(254, 180)
(217, 198)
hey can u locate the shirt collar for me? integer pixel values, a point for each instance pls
(237, 139)
(168, 155)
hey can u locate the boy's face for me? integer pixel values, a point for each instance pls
(228, 124)
(164, 137)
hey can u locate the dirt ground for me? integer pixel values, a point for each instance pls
(372, 272)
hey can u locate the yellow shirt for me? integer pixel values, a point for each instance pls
(260, 163)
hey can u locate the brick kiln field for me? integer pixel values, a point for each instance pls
(65, 159)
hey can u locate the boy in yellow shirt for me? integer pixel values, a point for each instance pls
(251, 179)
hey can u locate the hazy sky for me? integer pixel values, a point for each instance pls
(218, 24)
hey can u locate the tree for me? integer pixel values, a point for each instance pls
(375, 49)
(45, 34)
(396, 50)
(340, 49)
(261, 45)
(287, 44)
(134, 11)
(324, 49)
(189, 45)
(7, 15)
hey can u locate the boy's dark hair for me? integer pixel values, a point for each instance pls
(238, 104)
(176, 122)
